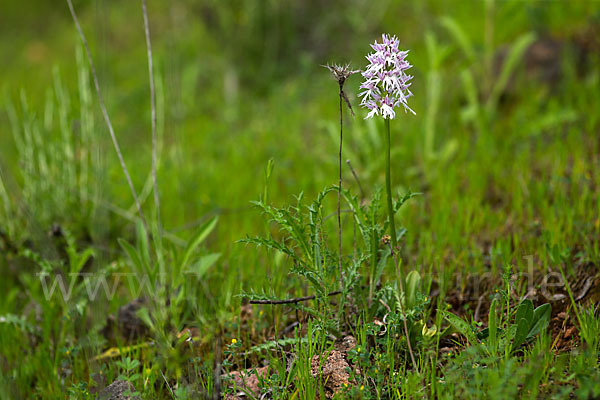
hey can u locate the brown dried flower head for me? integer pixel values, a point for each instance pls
(341, 72)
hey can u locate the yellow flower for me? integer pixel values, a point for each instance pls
(233, 341)
(362, 387)
(358, 349)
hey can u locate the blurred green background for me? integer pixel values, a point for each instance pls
(241, 82)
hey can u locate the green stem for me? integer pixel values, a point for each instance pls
(374, 243)
(388, 184)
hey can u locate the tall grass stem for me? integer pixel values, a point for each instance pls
(106, 116)
(153, 111)
(355, 175)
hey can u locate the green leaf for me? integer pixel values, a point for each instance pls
(318, 287)
(521, 333)
(197, 239)
(403, 199)
(512, 60)
(525, 311)
(143, 244)
(429, 332)
(471, 112)
(145, 317)
(493, 324)
(460, 37)
(200, 267)
(276, 343)
(413, 281)
(541, 319)
(133, 255)
(274, 245)
(81, 259)
(460, 325)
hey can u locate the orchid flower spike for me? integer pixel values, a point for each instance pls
(386, 82)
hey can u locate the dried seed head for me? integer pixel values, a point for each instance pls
(341, 72)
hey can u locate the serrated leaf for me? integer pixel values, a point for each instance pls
(276, 343)
(460, 325)
(273, 245)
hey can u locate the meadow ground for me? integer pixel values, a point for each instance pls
(232, 287)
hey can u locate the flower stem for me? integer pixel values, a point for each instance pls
(388, 184)
(339, 213)
(401, 287)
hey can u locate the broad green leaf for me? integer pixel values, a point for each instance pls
(520, 333)
(541, 319)
(525, 311)
(484, 334)
(197, 239)
(413, 281)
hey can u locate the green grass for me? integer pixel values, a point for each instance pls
(507, 171)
